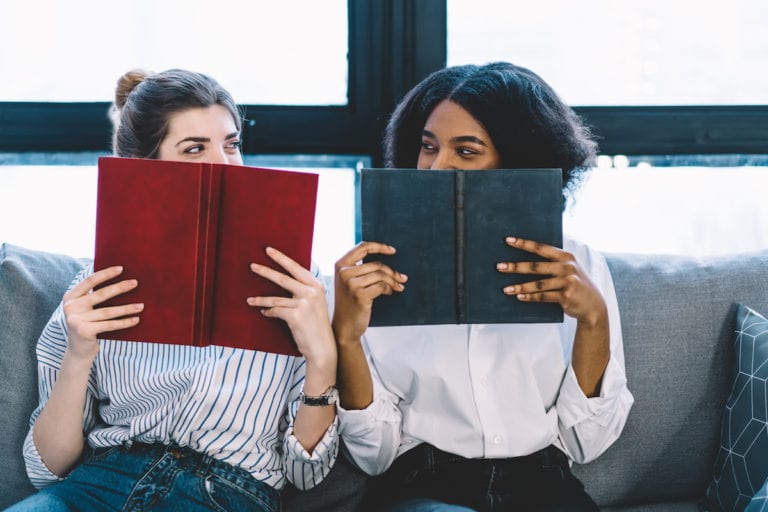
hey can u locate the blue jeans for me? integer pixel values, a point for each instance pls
(426, 479)
(157, 477)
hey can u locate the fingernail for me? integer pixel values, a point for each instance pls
(254, 266)
(250, 301)
(118, 269)
(404, 277)
(520, 296)
(138, 307)
(509, 290)
(501, 266)
(511, 239)
(134, 282)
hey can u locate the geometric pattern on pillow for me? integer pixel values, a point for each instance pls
(760, 502)
(741, 466)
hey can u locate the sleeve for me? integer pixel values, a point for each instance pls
(372, 436)
(50, 352)
(588, 426)
(305, 470)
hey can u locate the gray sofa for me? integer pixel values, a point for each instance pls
(677, 319)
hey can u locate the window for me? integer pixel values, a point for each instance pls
(677, 94)
(270, 59)
(608, 53)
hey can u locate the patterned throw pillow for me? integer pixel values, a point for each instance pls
(760, 502)
(741, 466)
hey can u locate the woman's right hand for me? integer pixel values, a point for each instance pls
(357, 284)
(85, 322)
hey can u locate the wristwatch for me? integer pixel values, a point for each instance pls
(329, 397)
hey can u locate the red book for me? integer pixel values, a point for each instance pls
(188, 233)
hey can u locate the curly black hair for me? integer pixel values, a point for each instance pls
(526, 120)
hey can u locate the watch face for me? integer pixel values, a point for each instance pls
(330, 397)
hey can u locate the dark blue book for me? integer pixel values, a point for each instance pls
(449, 228)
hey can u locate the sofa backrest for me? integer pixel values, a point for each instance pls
(31, 286)
(678, 321)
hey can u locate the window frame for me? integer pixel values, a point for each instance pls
(388, 54)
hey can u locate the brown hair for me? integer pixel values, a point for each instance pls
(145, 101)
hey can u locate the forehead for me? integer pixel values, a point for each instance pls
(202, 120)
(448, 116)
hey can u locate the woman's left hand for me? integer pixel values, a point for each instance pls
(566, 284)
(305, 312)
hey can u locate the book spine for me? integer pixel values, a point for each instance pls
(210, 199)
(459, 233)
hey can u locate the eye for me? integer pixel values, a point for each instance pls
(427, 146)
(235, 144)
(462, 151)
(193, 150)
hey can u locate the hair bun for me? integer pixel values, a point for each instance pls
(126, 84)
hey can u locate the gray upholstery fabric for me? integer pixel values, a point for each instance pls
(31, 286)
(678, 316)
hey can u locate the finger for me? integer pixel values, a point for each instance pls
(114, 325)
(372, 267)
(541, 285)
(361, 250)
(109, 313)
(539, 297)
(369, 293)
(529, 267)
(72, 302)
(86, 285)
(284, 281)
(270, 302)
(298, 272)
(549, 252)
(111, 291)
(373, 278)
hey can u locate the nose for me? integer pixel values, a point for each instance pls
(442, 161)
(218, 156)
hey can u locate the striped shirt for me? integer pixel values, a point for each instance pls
(235, 405)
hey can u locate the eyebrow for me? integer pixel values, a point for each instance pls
(206, 139)
(461, 138)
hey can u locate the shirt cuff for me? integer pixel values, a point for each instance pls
(38, 472)
(573, 406)
(324, 452)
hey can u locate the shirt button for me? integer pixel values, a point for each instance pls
(497, 440)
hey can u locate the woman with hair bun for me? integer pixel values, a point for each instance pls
(135, 426)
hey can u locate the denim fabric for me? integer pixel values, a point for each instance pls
(424, 478)
(154, 477)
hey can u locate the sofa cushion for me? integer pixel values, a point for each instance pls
(31, 286)
(678, 316)
(742, 466)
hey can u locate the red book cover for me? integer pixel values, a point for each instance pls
(188, 232)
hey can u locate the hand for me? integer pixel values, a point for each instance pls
(85, 323)
(357, 285)
(567, 285)
(305, 312)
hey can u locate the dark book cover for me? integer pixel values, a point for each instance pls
(449, 228)
(188, 232)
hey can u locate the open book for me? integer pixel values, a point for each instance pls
(188, 232)
(449, 229)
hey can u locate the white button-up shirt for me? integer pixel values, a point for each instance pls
(490, 390)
